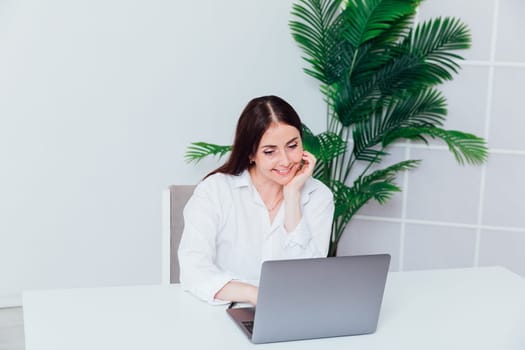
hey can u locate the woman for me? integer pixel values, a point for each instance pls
(262, 204)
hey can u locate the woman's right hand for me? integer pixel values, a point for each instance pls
(302, 174)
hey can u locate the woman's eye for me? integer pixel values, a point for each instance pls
(268, 153)
(292, 146)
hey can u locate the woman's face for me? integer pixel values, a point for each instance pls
(279, 154)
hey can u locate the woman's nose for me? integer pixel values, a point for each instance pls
(284, 159)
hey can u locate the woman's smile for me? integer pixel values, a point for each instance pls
(284, 172)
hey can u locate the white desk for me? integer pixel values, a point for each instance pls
(481, 308)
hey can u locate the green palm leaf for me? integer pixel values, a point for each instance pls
(199, 150)
(325, 147)
(426, 56)
(352, 103)
(423, 59)
(467, 148)
(316, 31)
(377, 52)
(425, 108)
(368, 19)
(379, 185)
(310, 142)
(436, 39)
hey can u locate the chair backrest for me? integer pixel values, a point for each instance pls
(174, 200)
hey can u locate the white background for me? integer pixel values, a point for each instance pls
(99, 99)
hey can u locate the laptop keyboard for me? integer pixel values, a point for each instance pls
(248, 325)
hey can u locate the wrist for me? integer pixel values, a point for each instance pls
(254, 291)
(291, 193)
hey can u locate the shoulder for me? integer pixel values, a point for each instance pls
(219, 184)
(314, 188)
(212, 183)
(209, 195)
(216, 179)
(314, 185)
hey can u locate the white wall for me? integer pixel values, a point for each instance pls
(452, 216)
(98, 100)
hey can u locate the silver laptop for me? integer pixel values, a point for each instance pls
(316, 298)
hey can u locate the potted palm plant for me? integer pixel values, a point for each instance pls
(378, 72)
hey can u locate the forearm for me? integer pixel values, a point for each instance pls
(311, 236)
(292, 210)
(239, 292)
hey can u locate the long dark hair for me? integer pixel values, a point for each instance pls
(255, 119)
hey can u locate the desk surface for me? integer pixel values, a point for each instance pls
(476, 308)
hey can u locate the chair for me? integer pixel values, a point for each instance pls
(173, 201)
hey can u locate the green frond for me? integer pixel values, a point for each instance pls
(377, 52)
(425, 57)
(399, 28)
(392, 170)
(379, 185)
(370, 155)
(406, 72)
(316, 29)
(352, 103)
(434, 43)
(405, 76)
(325, 147)
(467, 148)
(368, 19)
(199, 150)
(332, 146)
(367, 134)
(311, 142)
(436, 38)
(425, 108)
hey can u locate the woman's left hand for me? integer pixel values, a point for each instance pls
(303, 174)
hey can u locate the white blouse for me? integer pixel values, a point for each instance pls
(227, 233)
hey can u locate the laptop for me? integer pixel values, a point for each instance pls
(315, 298)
